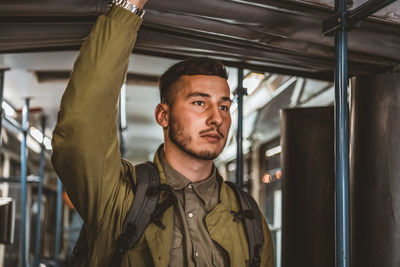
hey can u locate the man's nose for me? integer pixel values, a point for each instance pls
(215, 117)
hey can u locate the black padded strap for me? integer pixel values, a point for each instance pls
(140, 212)
(161, 208)
(147, 177)
(250, 215)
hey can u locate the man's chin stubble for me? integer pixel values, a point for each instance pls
(202, 155)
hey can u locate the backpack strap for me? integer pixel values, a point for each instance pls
(250, 215)
(163, 206)
(141, 210)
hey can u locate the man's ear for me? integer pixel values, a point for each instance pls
(162, 115)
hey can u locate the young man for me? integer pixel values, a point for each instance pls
(194, 113)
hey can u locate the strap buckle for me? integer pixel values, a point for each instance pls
(242, 214)
(124, 241)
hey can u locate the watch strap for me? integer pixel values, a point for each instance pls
(128, 6)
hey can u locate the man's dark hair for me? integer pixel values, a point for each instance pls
(192, 66)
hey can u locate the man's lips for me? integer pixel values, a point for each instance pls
(212, 133)
(212, 136)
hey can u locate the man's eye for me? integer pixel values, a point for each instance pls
(224, 108)
(198, 103)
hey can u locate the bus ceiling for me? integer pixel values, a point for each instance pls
(275, 36)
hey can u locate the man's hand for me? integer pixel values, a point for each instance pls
(138, 3)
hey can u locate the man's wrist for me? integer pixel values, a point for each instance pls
(128, 5)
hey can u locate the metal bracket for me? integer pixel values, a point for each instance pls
(350, 20)
(240, 91)
(337, 22)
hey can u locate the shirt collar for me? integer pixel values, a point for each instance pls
(174, 179)
(204, 189)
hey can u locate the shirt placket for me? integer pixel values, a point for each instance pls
(193, 215)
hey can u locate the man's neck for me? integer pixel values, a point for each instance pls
(192, 168)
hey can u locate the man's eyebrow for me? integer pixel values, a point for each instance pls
(194, 94)
(226, 98)
(198, 94)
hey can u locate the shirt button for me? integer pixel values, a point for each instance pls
(190, 186)
(190, 215)
(196, 254)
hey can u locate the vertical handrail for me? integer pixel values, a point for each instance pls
(341, 142)
(1, 102)
(40, 193)
(239, 136)
(58, 223)
(339, 24)
(24, 235)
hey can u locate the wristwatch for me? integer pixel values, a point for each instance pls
(128, 6)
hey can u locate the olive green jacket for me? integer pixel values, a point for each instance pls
(87, 159)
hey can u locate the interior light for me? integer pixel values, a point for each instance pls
(267, 178)
(252, 81)
(47, 143)
(32, 144)
(231, 167)
(234, 107)
(36, 134)
(123, 106)
(8, 109)
(273, 151)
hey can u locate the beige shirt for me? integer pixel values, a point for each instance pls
(192, 244)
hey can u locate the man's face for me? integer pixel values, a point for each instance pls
(200, 119)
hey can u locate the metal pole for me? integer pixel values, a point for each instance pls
(1, 101)
(58, 222)
(239, 137)
(24, 235)
(341, 142)
(40, 193)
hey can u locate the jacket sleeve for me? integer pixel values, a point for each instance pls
(86, 154)
(267, 251)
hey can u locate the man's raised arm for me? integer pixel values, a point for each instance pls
(85, 147)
